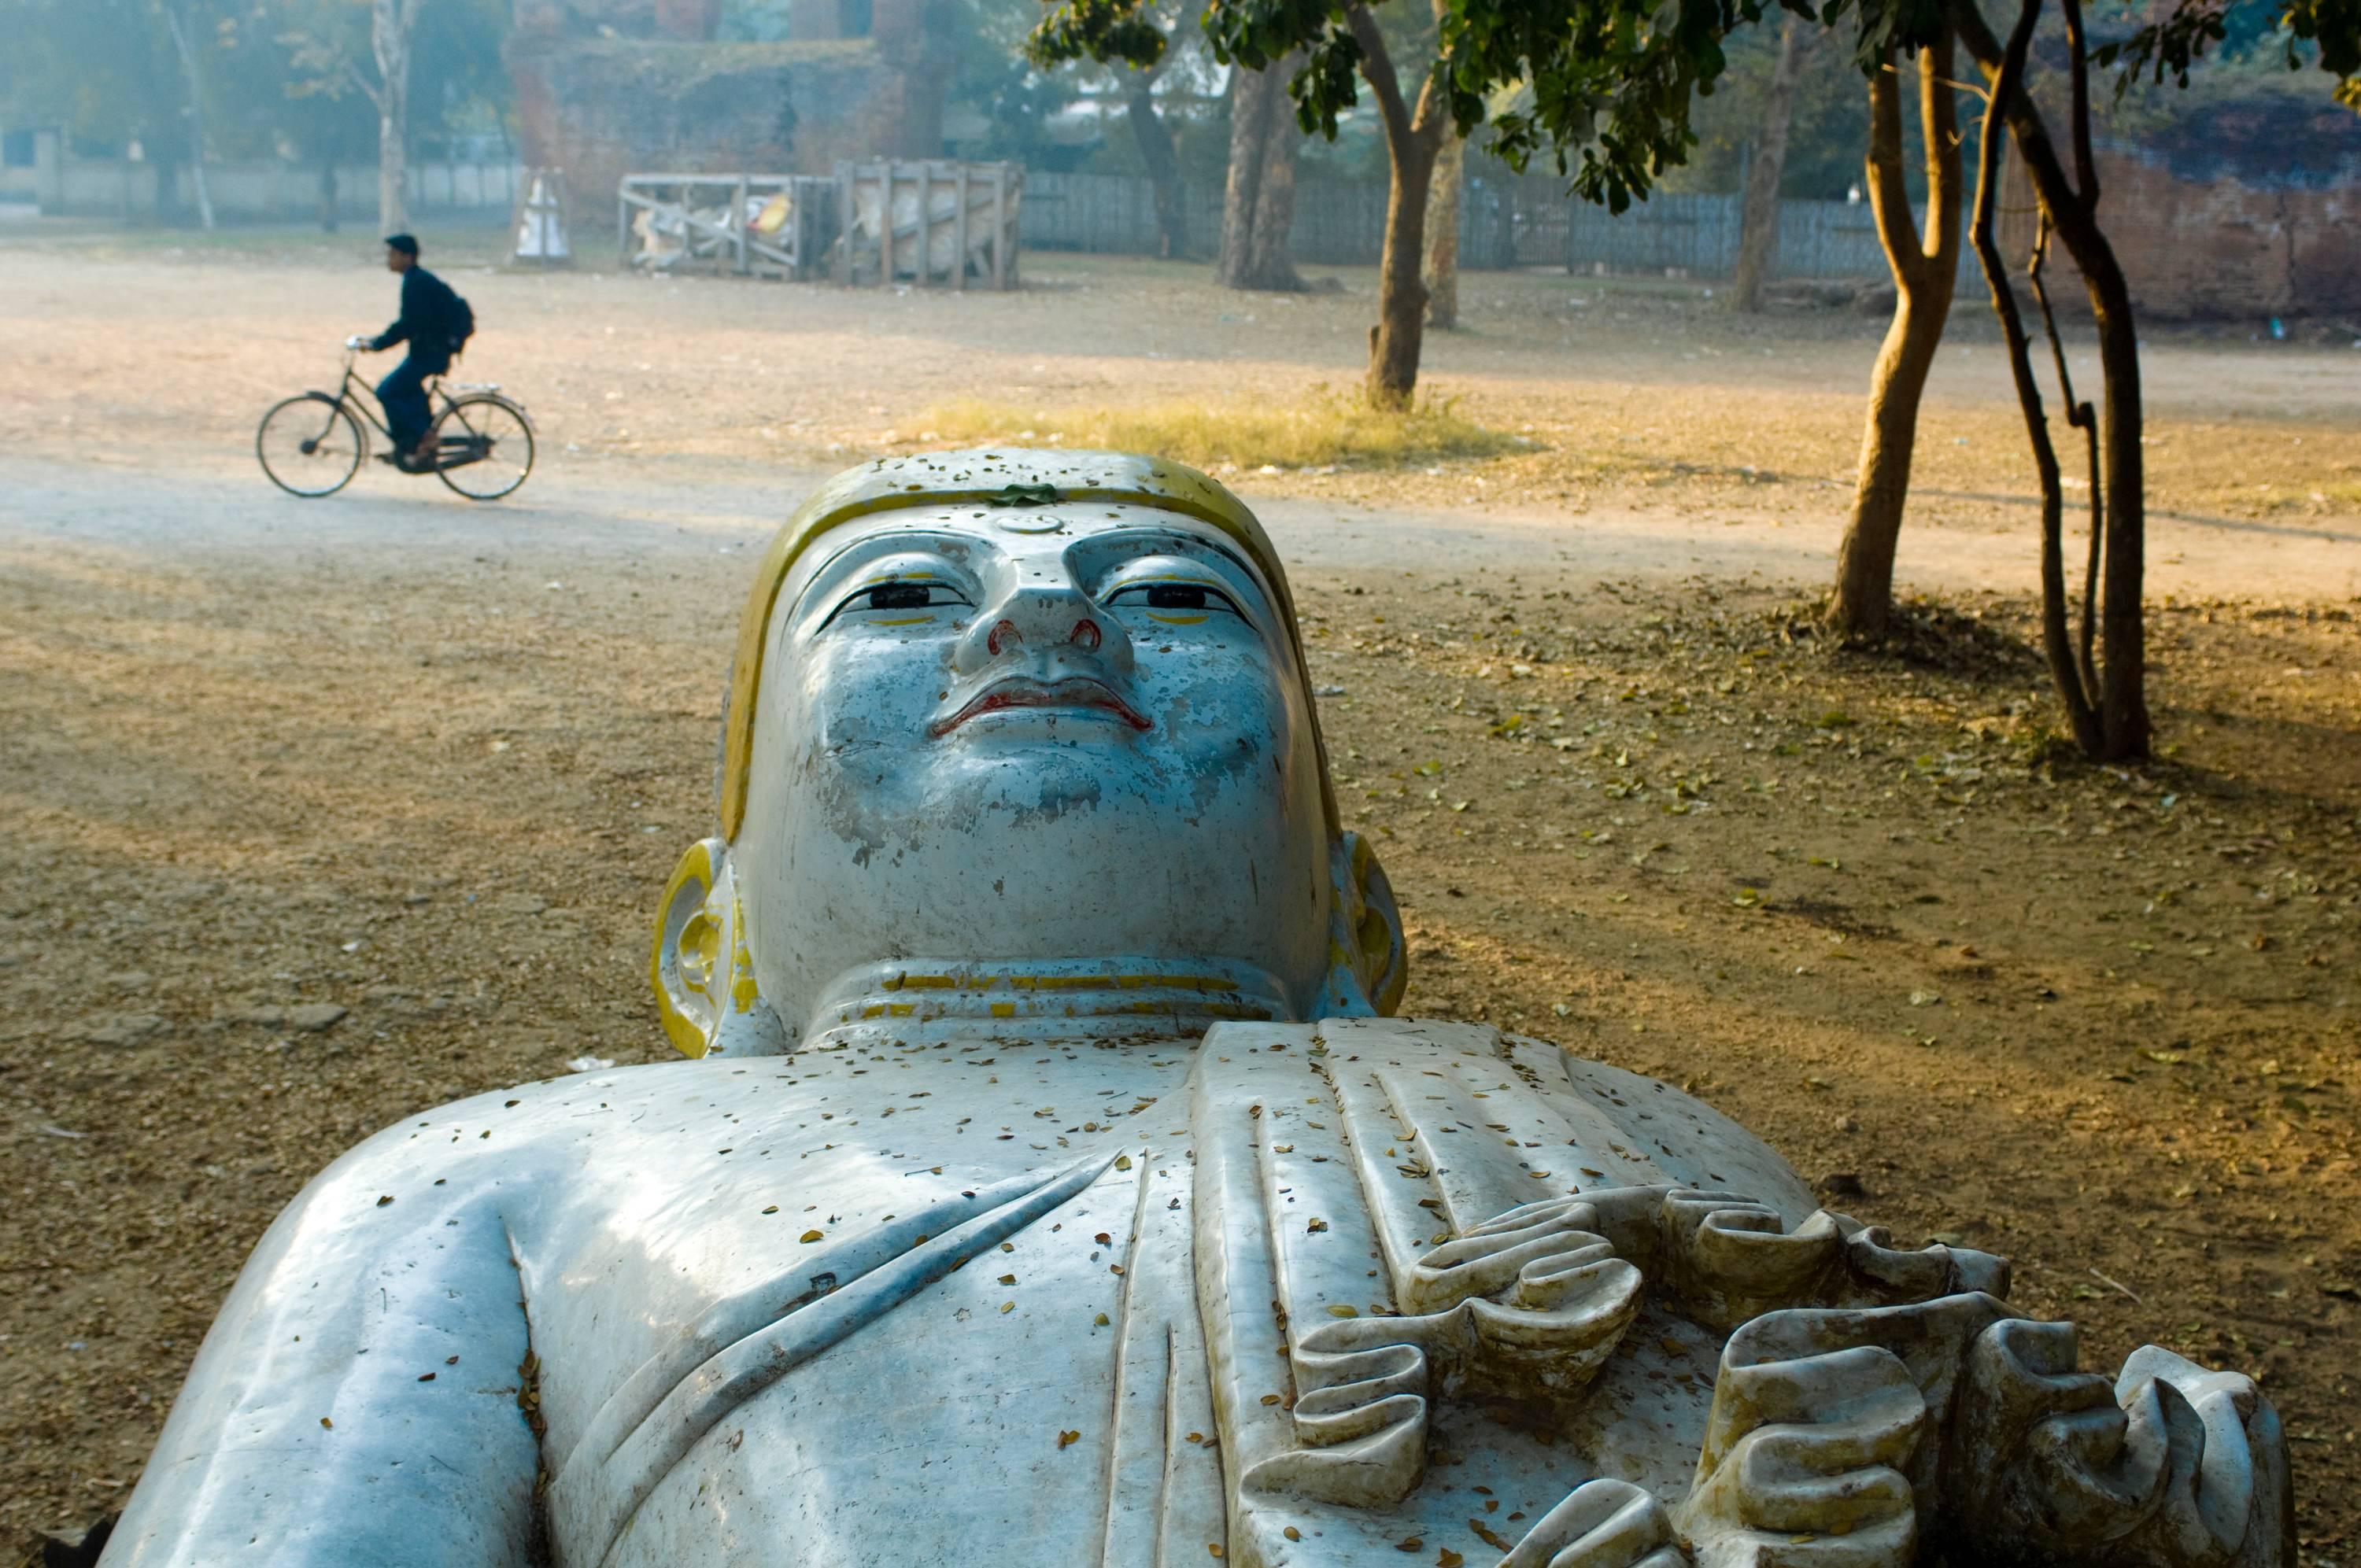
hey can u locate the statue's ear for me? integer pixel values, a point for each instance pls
(1368, 961)
(703, 976)
(690, 967)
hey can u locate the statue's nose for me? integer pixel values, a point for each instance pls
(1045, 624)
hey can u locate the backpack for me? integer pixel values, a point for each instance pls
(460, 323)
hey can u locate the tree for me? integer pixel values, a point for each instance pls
(1413, 137)
(1335, 45)
(1924, 274)
(1758, 221)
(1258, 195)
(2105, 696)
(1443, 230)
(2101, 681)
(1156, 150)
(328, 46)
(180, 18)
(391, 22)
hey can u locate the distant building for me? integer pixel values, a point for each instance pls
(606, 88)
(2240, 210)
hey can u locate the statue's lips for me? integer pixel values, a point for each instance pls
(1075, 692)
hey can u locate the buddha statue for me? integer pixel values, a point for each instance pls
(1049, 1182)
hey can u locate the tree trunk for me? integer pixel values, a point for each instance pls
(1258, 202)
(391, 22)
(1155, 139)
(2123, 726)
(1924, 274)
(1758, 224)
(184, 43)
(1269, 255)
(1442, 231)
(1412, 138)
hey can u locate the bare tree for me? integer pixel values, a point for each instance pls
(181, 16)
(1443, 230)
(1924, 273)
(2103, 682)
(391, 25)
(1758, 221)
(1259, 202)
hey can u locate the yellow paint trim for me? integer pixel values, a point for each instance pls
(695, 866)
(1180, 620)
(976, 479)
(912, 620)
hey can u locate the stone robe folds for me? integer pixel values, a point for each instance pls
(1302, 1293)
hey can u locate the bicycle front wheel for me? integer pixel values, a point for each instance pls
(309, 446)
(483, 447)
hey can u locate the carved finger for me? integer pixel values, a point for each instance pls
(1603, 1524)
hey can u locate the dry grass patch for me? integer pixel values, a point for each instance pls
(1322, 430)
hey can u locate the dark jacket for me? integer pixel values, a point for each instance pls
(429, 321)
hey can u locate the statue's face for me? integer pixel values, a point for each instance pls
(1015, 736)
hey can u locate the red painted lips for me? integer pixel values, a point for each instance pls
(1075, 692)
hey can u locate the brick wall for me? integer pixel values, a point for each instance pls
(602, 108)
(2219, 244)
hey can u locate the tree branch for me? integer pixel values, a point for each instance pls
(1377, 69)
(1889, 192)
(1938, 122)
(2080, 416)
(2007, 82)
(353, 71)
(2086, 169)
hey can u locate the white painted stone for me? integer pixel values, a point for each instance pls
(1047, 1191)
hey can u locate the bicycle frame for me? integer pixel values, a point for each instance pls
(357, 397)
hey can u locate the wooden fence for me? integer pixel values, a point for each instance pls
(1502, 224)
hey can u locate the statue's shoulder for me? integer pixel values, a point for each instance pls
(1638, 1129)
(503, 1138)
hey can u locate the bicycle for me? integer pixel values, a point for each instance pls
(313, 444)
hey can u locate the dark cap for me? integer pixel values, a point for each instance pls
(406, 244)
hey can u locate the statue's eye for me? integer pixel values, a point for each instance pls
(901, 596)
(1188, 598)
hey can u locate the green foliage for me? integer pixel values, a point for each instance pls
(278, 74)
(2328, 31)
(1607, 83)
(104, 70)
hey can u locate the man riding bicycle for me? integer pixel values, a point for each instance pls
(435, 322)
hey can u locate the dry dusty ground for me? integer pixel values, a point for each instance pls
(429, 765)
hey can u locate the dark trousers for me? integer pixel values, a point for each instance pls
(403, 395)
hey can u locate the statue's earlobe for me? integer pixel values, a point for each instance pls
(703, 976)
(689, 967)
(1368, 961)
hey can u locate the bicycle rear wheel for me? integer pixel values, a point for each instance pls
(483, 447)
(309, 446)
